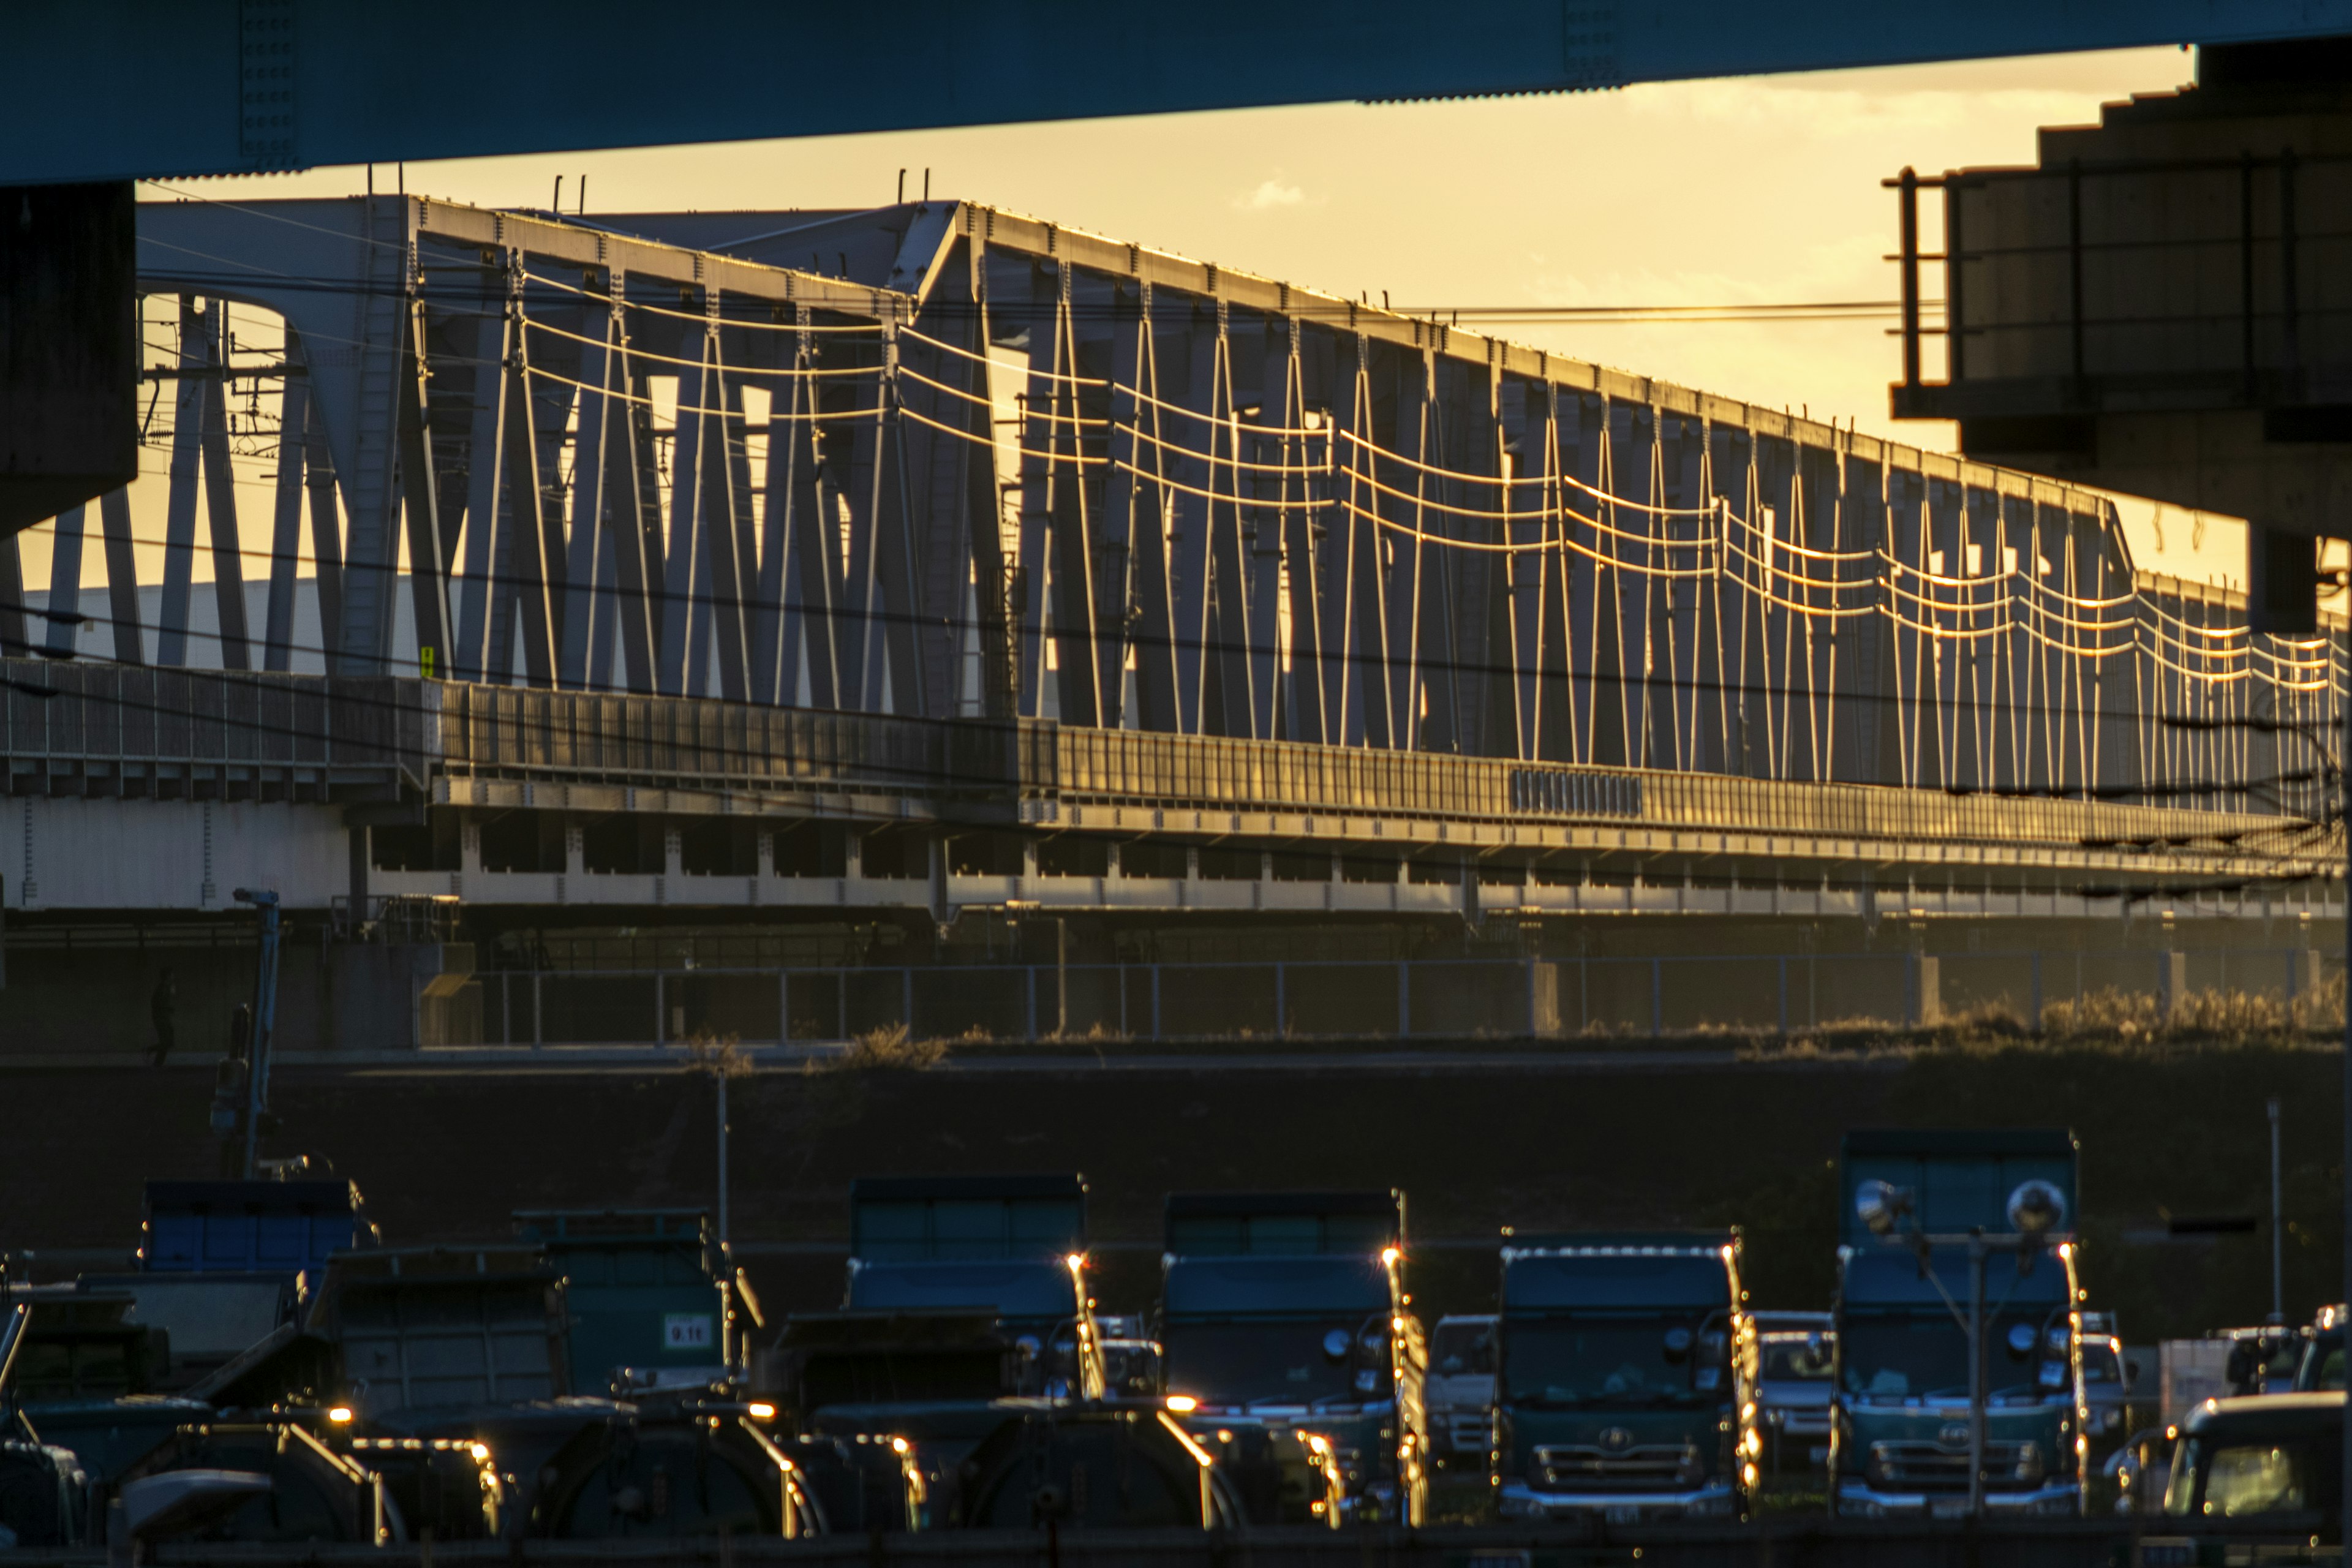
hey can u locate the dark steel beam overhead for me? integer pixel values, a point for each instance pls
(122, 89)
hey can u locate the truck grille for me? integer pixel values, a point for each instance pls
(1647, 1465)
(1933, 1467)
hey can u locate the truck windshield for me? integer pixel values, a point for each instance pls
(1460, 1350)
(2240, 1479)
(1621, 1361)
(1795, 1358)
(1927, 1357)
(1239, 1365)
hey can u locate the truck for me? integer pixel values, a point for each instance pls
(654, 1300)
(2269, 1465)
(1626, 1371)
(966, 1307)
(1014, 1246)
(1290, 1351)
(1958, 1383)
(1798, 1351)
(1460, 1389)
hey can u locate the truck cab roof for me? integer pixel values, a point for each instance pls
(1613, 1276)
(1293, 1224)
(2264, 1415)
(902, 1219)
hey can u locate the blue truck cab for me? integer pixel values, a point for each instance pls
(1900, 1431)
(1291, 1351)
(1013, 1247)
(1625, 1380)
(250, 1227)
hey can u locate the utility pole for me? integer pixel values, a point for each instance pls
(265, 1022)
(721, 1059)
(2278, 1249)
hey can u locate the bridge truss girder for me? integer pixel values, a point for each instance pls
(1010, 470)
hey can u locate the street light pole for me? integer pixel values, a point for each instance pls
(2344, 826)
(1976, 1374)
(2278, 1252)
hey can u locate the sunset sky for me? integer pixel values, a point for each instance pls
(1756, 190)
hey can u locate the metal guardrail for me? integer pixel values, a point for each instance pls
(195, 717)
(980, 770)
(1226, 775)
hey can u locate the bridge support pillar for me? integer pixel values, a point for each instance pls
(2304, 974)
(1924, 991)
(2171, 983)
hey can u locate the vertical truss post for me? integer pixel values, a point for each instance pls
(1330, 385)
(623, 422)
(1357, 680)
(1433, 586)
(1525, 497)
(1301, 519)
(775, 670)
(121, 577)
(196, 388)
(390, 355)
(589, 552)
(286, 525)
(858, 603)
(1403, 484)
(523, 518)
(483, 591)
(326, 539)
(1191, 515)
(943, 436)
(1136, 505)
(724, 527)
(1261, 527)
(809, 632)
(1229, 669)
(1073, 586)
(427, 568)
(13, 640)
(1553, 736)
(220, 501)
(897, 569)
(65, 583)
(696, 391)
(1035, 530)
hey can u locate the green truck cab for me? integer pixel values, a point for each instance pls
(1292, 1354)
(1625, 1381)
(1928, 1220)
(654, 1300)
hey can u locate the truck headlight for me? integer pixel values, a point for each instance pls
(1879, 1468)
(2029, 1463)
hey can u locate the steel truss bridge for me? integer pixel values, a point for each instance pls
(1078, 535)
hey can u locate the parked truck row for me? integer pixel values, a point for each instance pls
(274, 1371)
